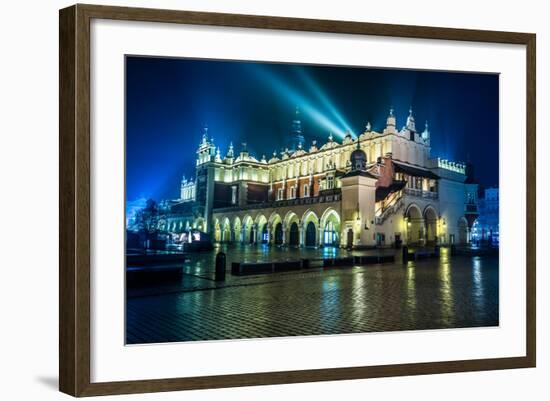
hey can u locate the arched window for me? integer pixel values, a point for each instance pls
(293, 192)
(306, 190)
(330, 234)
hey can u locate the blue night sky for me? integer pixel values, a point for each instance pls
(168, 102)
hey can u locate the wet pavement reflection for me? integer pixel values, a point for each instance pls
(447, 292)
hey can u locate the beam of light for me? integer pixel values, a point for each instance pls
(323, 98)
(295, 98)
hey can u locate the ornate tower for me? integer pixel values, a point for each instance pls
(204, 183)
(207, 150)
(358, 202)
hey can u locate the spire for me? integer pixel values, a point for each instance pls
(205, 135)
(390, 121)
(426, 133)
(218, 155)
(410, 121)
(330, 137)
(230, 152)
(368, 127)
(212, 147)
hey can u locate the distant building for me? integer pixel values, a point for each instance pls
(380, 189)
(486, 227)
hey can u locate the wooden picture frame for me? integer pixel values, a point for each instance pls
(74, 202)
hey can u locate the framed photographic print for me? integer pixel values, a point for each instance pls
(250, 200)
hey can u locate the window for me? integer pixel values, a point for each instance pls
(280, 194)
(330, 234)
(234, 195)
(330, 182)
(306, 190)
(293, 192)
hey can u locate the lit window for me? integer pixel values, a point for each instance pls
(330, 182)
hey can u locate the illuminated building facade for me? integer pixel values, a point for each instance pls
(486, 227)
(379, 189)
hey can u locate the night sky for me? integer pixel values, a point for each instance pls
(169, 101)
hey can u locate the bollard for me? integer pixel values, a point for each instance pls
(220, 266)
(405, 254)
(453, 249)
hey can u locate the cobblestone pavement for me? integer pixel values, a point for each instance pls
(429, 294)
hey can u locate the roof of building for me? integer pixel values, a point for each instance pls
(416, 171)
(383, 192)
(362, 173)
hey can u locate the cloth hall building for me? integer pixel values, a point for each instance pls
(379, 189)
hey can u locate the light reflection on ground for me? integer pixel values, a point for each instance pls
(460, 291)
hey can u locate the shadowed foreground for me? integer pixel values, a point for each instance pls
(430, 294)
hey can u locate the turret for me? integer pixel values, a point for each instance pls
(230, 156)
(358, 158)
(207, 150)
(410, 121)
(274, 157)
(313, 147)
(426, 133)
(390, 123)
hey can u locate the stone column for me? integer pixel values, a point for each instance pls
(320, 239)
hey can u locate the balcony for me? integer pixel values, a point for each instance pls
(420, 193)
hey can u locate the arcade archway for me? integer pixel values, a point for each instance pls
(415, 224)
(330, 226)
(462, 231)
(311, 234)
(294, 235)
(430, 220)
